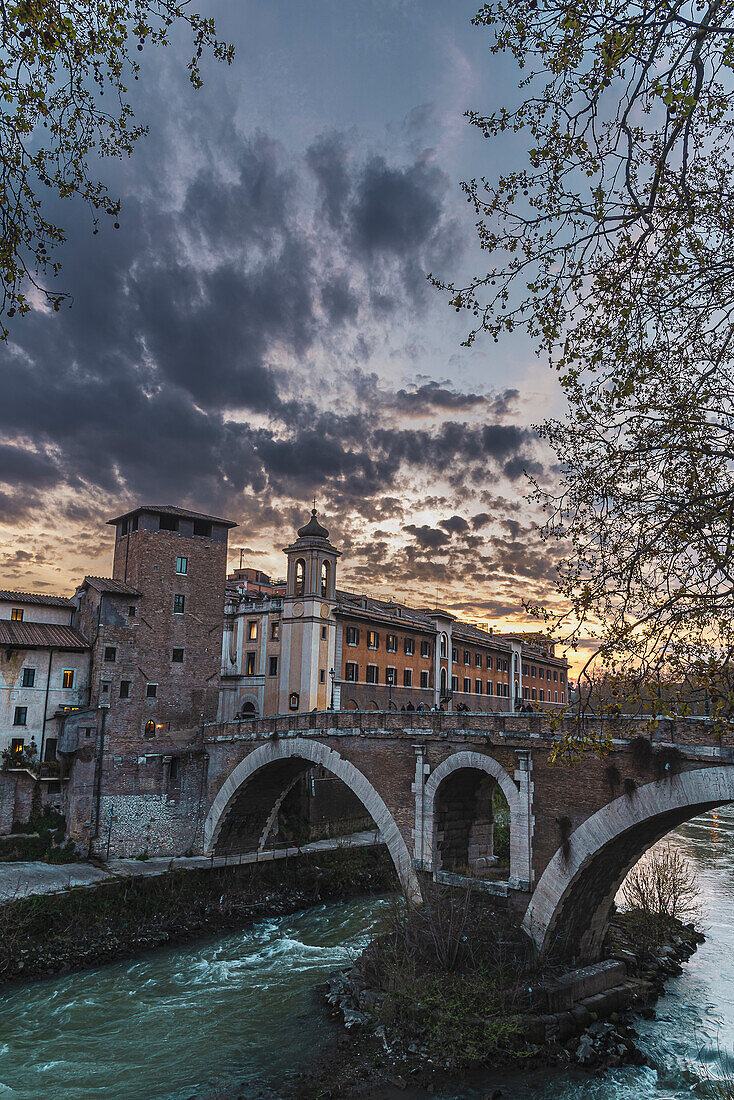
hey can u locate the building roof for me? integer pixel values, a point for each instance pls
(6, 596)
(313, 529)
(109, 584)
(40, 636)
(171, 510)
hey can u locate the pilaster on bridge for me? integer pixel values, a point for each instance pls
(433, 783)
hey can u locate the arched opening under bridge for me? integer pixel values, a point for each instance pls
(244, 811)
(569, 911)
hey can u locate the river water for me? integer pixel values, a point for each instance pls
(185, 1022)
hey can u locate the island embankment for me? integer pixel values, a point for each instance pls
(452, 994)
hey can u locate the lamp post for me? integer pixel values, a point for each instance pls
(332, 674)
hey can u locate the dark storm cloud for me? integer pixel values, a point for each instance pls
(179, 316)
(456, 525)
(24, 467)
(427, 538)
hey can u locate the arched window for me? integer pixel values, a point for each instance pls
(444, 645)
(150, 728)
(300, 577)
(325, 579)
(443, 682)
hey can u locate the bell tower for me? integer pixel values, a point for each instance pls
(309, 626)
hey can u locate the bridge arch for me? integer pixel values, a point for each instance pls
(569, 910)
(294, 749)
(476, 761)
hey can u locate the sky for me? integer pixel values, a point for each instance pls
(260, 330)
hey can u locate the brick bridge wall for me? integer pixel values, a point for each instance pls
(414, 765)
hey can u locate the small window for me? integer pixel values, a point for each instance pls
(252, 630)
(534, 694)
(352, 635)
(300, 577)
(526, 693)
(541, 673)
(110, 654)
(467, 684)
(477, 687)
(88, 731)
(202, 528)
(533, 670)
(351, 672)
(407, 677)
(16, 744)
(555, 674)
(179, 604)
(182, 566)
(489, 662)
(454, 683)
(322, 675)
(506, 665)
(542, 695)
(391, 675)
(525, 670)
(168, 523)
(391, 643)
(325, 579)
(506, 690)
(20, 716)
(467, 657)
(409, 646)
(150, 728)
(562, 677)
(273, 666)
(250, 664)
(17, 615)
(443, 645)
(563, 697)
(67, 678)
(275, 630)
(132, 611)
(151, 691)
(174, 770)
(424, 678)
(29, 677)
(489, 687)
(104, 687)
(455, 655)
(372, 674)
(323, 633)
(373, 640)
(177, 656)
(425, 649)
(555, 693)
(478, 660)
(499, 687)
(124, 689)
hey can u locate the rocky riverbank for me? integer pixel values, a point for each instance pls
(83, 927)
(373, 1059)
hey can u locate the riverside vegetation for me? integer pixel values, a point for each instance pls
(85, 926)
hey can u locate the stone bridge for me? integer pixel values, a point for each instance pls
(429, 781)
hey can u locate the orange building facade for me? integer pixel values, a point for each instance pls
(310, 646)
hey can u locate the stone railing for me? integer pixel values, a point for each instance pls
(680, 732)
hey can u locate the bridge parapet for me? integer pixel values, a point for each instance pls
(691, 736)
